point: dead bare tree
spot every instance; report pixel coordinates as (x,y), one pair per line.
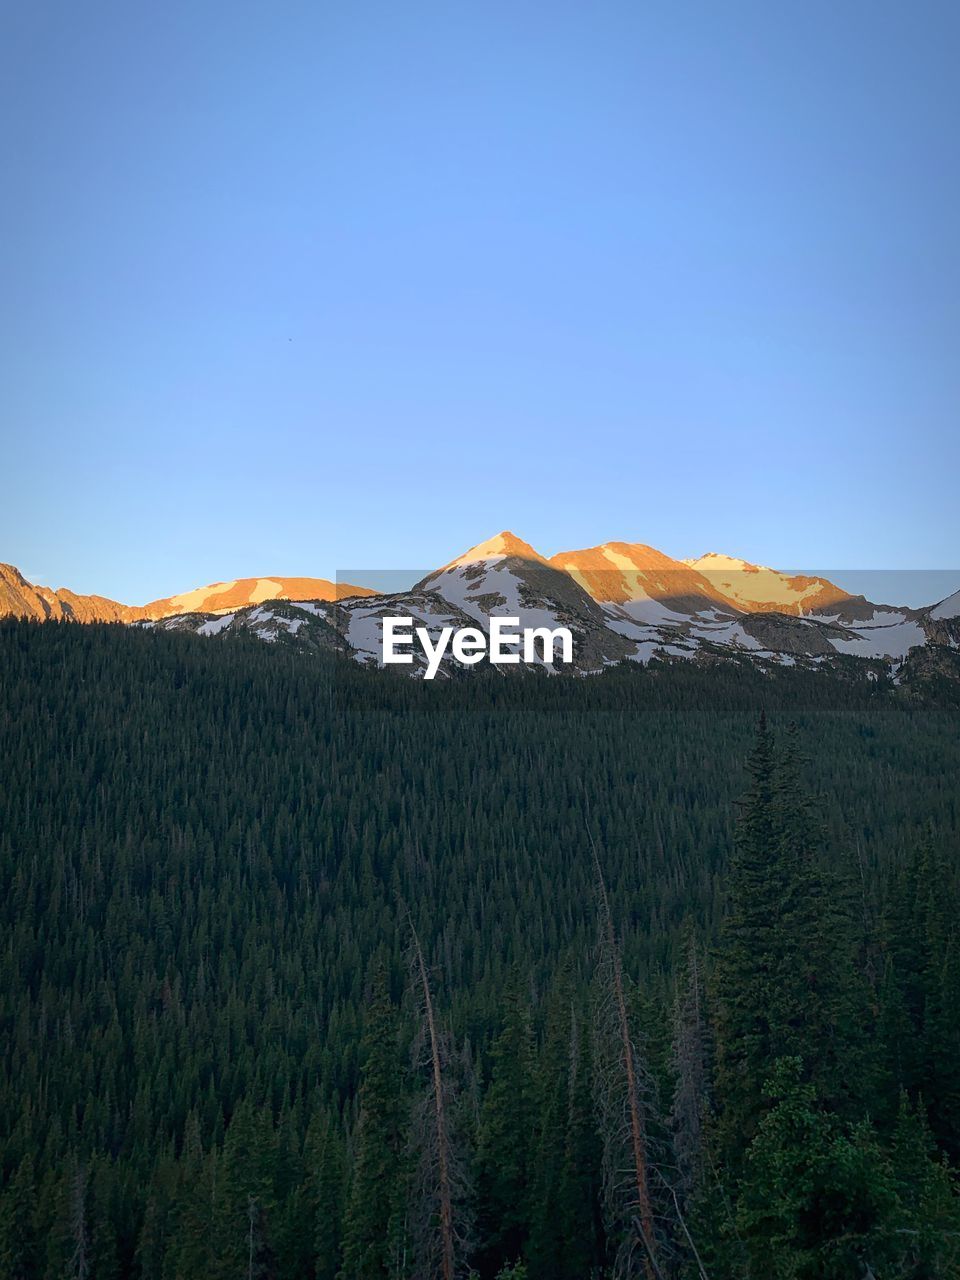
(625,1096)
(438,1207)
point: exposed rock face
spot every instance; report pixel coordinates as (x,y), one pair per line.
(781,633)
(22,599)
(941,621)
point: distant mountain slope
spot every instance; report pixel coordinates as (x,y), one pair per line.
(220,597)
(649,586)
(23,599)
(759,589)
(949,608)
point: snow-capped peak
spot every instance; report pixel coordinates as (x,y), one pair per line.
(496,548)
(715,560)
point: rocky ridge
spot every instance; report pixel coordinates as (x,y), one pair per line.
(623,602)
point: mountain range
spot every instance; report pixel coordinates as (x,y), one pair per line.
(23,599)
(624,602)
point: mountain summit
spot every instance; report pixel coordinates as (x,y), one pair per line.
(495,548)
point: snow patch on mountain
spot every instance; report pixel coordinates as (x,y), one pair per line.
(890,641)
(213,626)
(311,606)
(949,608)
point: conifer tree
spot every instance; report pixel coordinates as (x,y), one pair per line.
(819,1199)
(156,1240)
(787,983)
(548,1167)
(104,1256)
(579,1196)
(937,922)
(190,1236)
(373,1227)
(928,1227)
(19,1246)
(823,1007)
(326,1170)
(505,1142)
(244,1202)
(76,1222)
(749,959)
(905,980)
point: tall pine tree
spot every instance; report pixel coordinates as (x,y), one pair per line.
(373,1222)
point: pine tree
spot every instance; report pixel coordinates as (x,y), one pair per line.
(928,1229)
(506,1137)
(19,1246)
(326,1171)
(938,924)
(905,979)
(823,998)
(156,1240)
(104,1256)
(75,1223)
(548,1167)
(372,1230)
(244,1203)
(819,1201)
(787,983)
(750,956)
(582,1175)
(295,1220)
(190,1243)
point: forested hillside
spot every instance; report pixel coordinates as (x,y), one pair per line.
(311,972)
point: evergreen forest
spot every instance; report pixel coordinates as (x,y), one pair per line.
(309,972)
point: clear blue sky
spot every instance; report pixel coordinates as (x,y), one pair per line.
(287,288)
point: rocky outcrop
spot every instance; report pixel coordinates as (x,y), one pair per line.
(22,599)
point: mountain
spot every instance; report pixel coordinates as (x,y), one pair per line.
(23,599)
(947,609)
(645,584)
(758,589)
(941,622)
(221,597)
(623,602)
(505,576)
